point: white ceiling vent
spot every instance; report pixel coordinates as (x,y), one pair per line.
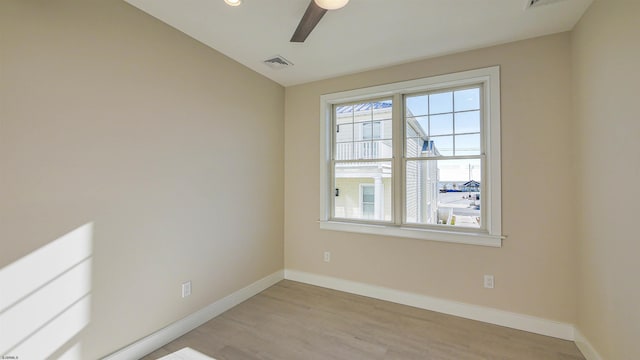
(277,62)
(535,3)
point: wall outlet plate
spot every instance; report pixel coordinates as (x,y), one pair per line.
(489,281)
(186,289)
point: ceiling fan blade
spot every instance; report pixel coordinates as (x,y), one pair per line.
(309,20)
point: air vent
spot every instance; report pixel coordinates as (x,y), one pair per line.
(535,3)
(278,62)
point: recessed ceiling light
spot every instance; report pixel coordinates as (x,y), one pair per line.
(233,2)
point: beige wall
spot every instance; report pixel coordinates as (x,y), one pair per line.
(110,117)
(606,56)
(535,269)
(173,151)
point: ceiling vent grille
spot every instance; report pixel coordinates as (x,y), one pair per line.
(278,62)
(535,3)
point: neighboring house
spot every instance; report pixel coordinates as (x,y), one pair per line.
(363,188)
(471,186)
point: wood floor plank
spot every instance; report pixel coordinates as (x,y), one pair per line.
(292,320)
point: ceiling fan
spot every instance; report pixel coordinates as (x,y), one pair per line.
(315,11)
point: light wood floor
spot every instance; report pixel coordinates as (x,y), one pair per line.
(291,320)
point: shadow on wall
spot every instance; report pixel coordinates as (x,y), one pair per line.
(45,298)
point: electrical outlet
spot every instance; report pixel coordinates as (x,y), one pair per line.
(488,281)
(327,256)
(186,289)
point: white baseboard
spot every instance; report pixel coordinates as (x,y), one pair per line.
(489,315)
(485,314)
(585,347)
(165,335)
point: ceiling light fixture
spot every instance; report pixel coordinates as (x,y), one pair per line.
(233,2)
(331,4)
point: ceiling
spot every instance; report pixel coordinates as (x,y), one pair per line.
(364,35)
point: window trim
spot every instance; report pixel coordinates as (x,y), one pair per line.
(489,78)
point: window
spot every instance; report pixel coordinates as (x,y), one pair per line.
(371,130)
(367,200)
(418,159)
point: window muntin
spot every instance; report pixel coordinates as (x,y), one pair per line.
(475,134)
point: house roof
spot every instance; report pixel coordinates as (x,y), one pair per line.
(363,107)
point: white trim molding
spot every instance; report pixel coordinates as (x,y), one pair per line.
(585,347)
(460,237)
(165,335)
(474,312)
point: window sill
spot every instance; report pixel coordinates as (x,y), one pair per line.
(471,238)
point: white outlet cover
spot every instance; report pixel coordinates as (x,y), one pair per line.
(186,289)
(489,281)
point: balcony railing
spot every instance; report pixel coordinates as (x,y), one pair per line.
(363,150)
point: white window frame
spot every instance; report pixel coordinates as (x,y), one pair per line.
(491,235)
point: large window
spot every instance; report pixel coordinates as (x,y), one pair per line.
(415,159)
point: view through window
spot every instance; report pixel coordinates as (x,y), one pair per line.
(363,151)
(443,158)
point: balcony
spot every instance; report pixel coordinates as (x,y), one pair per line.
(363,150)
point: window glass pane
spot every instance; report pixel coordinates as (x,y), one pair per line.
(440,103)
(368,210)
(363,190)
(467,145)
(382,109)
(412,131)
(381,149)
(367,131)
(417,105)
(443,192)
(363,112)
(344,114)
(444,145)
(356,132)
(370,150)
(467,122)
(441,124)
(467,99)
(344,151)
(344,133)
(417,126)
(362,150)
(386,129)
(414,146)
